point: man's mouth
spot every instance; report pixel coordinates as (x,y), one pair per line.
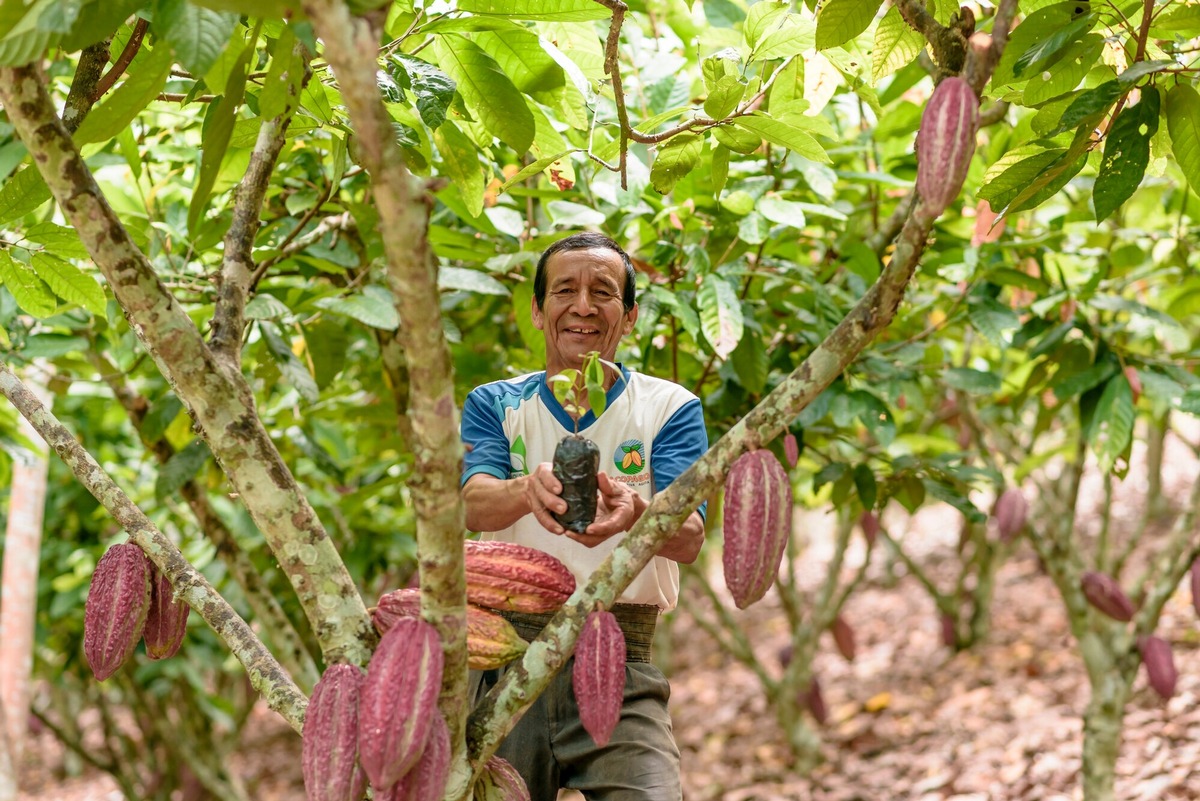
(580,330)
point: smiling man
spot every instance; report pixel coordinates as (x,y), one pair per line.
(650,431)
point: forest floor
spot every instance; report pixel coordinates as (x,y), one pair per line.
(908,718)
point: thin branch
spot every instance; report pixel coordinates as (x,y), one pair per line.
(83,86)
(118,68)
(612,69)
(295,244)
(265,673)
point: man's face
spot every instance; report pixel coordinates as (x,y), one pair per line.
(583,311)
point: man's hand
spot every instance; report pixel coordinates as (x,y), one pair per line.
(616,511)
(542,493)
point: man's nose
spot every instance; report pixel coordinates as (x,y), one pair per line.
(583,304)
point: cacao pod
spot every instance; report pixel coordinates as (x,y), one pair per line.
(811,699)
(791,449)
(946,142)
(399,701)
(758,521)
(427,780)
(576,462)
(1010,513)
(491,640)
(843,637)
(870,527)
(949,630)
(598,676)
(166,622)
(1103,592)
(1160,665)
(1196,586)
(114,614)
(515,578)
(329,747)
(500,781)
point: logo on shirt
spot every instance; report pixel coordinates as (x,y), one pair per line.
(516,458)
(630,457)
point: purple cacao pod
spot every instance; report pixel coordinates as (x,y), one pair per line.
(791,449)
(870,527)
(166,622)
(1196,586)
(329,747)
(758,521)
(114,614)
(946,142)
(1160,665)
(843,637)
(500,781)
(1010,512)
(427,780)
(598,676)
(399,701)
(811,699)
(1103,592)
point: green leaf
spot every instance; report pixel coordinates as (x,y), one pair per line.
(751,363)
(1112,428)
(723,99)
(523,59)
(534,168)
(98,20)
(828,474)
(1126,154)
(470,281)
(1075,384)
(26,39)
(839,21)
(784,134)
(27,289)
(197,34)
(371,310)
(864,482)
(60,241)
(874,415)
(160,416)
(1190,401)
(460,160)
(548,10)
(994,320)
(266,307)
(594,380)
(723,13)
(180,469)
(720,314)
(975,382)
(784,212)
(1041,52)
(796,35)
(1183,125)
(434,89)
(676,157)
(281,89)
(1065,74)
(146,78)
(487,91)
(1089,106)
(532,338)
(896,45)
(762,17)
(70,283)
(736,139)
(1009,176)
(294,371)
(21,194)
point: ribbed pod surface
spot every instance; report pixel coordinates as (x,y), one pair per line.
(757,521)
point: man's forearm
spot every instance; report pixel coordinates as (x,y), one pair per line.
(493,504)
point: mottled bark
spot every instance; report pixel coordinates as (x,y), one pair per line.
(83,87)
(219,400)
(190,585)
(351,48)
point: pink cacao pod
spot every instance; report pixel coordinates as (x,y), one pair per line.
(791,449)
(1010,513)
(491,640)
(843,637)
(515,578)
(114,615)
(1103,592)
(811,699)
(166,622)
(949,630)
(870,527)
(1196,586)
(946,142)
(1160,665)
(329,743)
(598,676)
(758,521)
(500,781)
(427,780)
(399,701)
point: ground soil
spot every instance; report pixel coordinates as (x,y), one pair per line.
(908,718)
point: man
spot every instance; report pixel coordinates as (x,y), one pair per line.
(650,431)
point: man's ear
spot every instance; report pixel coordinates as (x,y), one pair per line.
(630,319)
(536,313)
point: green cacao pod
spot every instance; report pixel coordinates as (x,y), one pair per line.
(114,614)
(515,578)
(946,142)
(166,622)
(399,701)
(427,780)
(598,676)
(500,781)
(1160,665)
(576,463)
(758,521)
(329,743)
(491,640)
(1103,592)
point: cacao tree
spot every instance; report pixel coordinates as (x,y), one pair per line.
(316,219)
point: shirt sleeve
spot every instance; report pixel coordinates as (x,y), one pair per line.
(483,434)
(677,445)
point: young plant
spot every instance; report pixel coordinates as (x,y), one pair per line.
(576,458)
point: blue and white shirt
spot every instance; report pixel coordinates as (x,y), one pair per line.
(649,433)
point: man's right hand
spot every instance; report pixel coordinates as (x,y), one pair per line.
(543,494)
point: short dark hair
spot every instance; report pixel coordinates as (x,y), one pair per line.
(587,240)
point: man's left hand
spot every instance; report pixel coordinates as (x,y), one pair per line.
(615,512)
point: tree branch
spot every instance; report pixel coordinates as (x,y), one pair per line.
(219,400)
(190,585)
(83,87)
(119,66)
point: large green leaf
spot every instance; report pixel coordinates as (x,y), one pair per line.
(1089,106)
(1041,53)
(369,309)
(1126,154)
(33,296)
(976,382)
(795,35)
(720,314)
(762,18)
(896,45)
(469,281)
(724,97)
(1112,426)
(523,59)
(60,241)
(70,283)
(1183,125)
(784,134)
(21,194)
(146,78)
(281,88)
(549,10)
(751,362)
(294,371)
(181,468)
(460,159)
(676,157)
(1065,74)
(27,38)
(487,91)
(839,21)
(197,34)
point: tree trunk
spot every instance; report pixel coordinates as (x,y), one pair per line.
(18,585)
(8,769)
(1102,737)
